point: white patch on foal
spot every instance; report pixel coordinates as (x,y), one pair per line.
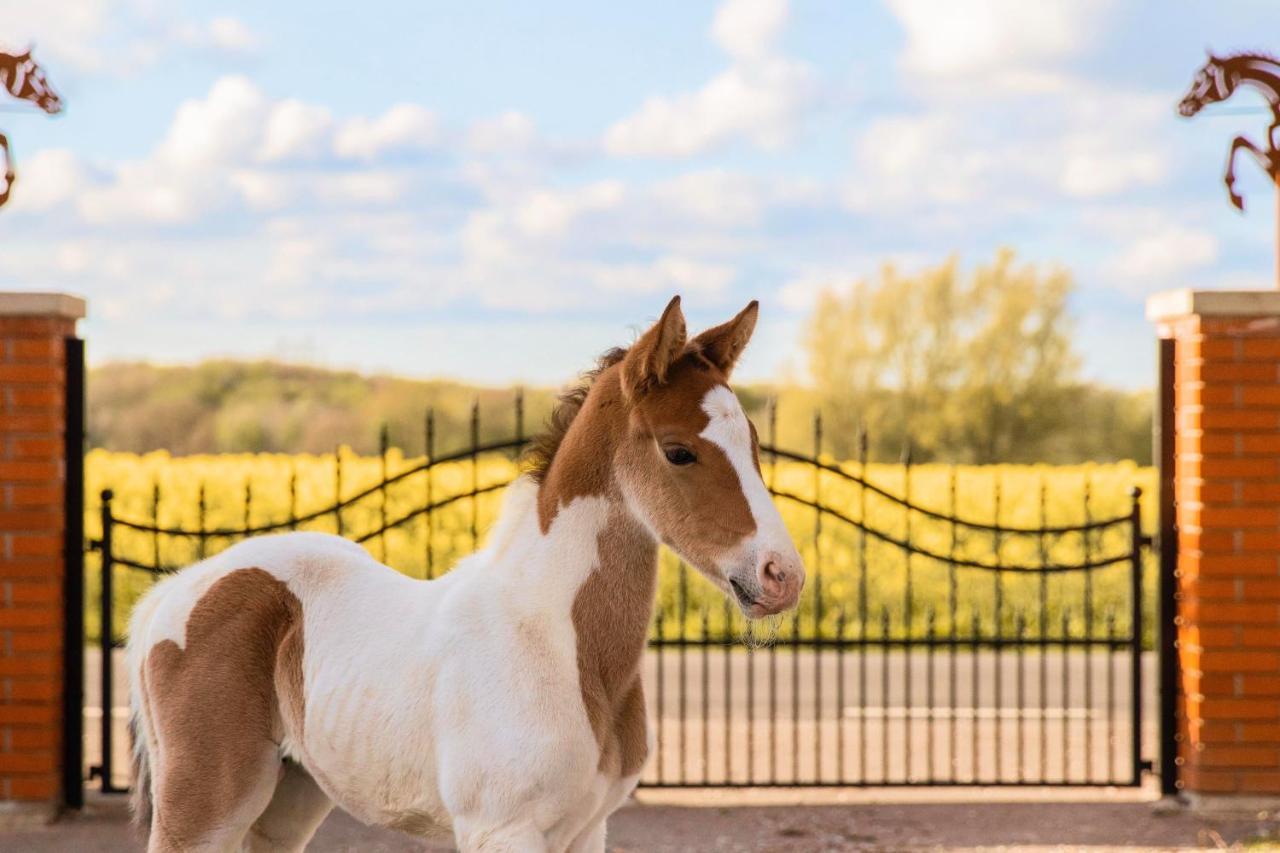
(729,430)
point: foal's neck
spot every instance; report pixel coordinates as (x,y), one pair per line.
(613,604)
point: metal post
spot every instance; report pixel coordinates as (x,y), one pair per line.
(384,448)
(429,444)
(475,472)
(1135,591)
(1167,543)
(73,582)
(519,423)
(337,488)
(105,642)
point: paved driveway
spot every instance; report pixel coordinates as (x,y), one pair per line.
(836,821)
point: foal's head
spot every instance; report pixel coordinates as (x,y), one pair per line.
(687,462)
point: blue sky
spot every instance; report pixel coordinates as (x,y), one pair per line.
(497,191)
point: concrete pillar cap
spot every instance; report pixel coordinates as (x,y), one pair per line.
(1173,304)
(34,304)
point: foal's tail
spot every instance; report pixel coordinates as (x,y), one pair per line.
(140,795)
(139,728)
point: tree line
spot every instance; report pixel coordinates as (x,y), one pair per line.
(976,367)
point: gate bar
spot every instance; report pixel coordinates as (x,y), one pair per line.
(73,580)
(1167,587)
(107,645)
(1135,666)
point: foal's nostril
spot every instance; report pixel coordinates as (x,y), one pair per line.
(773,573)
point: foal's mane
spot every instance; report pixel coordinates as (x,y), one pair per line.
(543,447)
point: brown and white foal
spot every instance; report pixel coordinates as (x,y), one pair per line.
(499,706)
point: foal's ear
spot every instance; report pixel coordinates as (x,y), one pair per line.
(721,345)
(650,357)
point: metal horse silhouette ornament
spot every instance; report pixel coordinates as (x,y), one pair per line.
(23,79)
(1218,80)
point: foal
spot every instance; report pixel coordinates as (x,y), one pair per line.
(499,706)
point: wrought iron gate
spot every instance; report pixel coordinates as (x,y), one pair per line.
(933,645)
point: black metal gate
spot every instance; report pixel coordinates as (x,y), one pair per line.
(934,645)
(73,579)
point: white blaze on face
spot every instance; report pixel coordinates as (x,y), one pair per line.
(729,430)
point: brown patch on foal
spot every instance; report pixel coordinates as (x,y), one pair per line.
(611,430)
(216,706)
(612,609)
(611,618)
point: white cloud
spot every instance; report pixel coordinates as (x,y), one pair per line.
(979,70)
(232,35)
(1110,142)
(716,196)
(801,293)
(68,32)
(510,132)
(147,192)
(224,35)
(296,130)
(243,209)
(904,161)
(994,39)
(49,178)
(360,188)
(727,199)
(236,146)
(403,127)
(749,28)
(761,96)
(117,36)
(263,190)
(586,245)
(667,274)
(760,101)
(225,126)
(1163,255)
(950,154)
(533,225)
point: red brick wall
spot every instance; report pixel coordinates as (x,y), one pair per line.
(31,563)
(1227,396)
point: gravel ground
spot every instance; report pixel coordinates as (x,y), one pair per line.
(692,823)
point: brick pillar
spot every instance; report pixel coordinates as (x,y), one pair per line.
(1227,488)
(33,327)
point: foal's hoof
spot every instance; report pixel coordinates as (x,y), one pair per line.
(1236,200)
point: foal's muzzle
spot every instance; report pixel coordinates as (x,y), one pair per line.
(772,586)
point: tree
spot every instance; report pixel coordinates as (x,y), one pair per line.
(973,369)
(1019,365)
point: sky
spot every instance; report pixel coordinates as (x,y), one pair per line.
(497,191)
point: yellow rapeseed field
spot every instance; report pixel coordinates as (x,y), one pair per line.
(902,595)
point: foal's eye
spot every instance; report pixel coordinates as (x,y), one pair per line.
(680,456)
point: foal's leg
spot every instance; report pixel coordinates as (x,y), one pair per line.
(297,809)
(207,803)
(514,838)
(591,840)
